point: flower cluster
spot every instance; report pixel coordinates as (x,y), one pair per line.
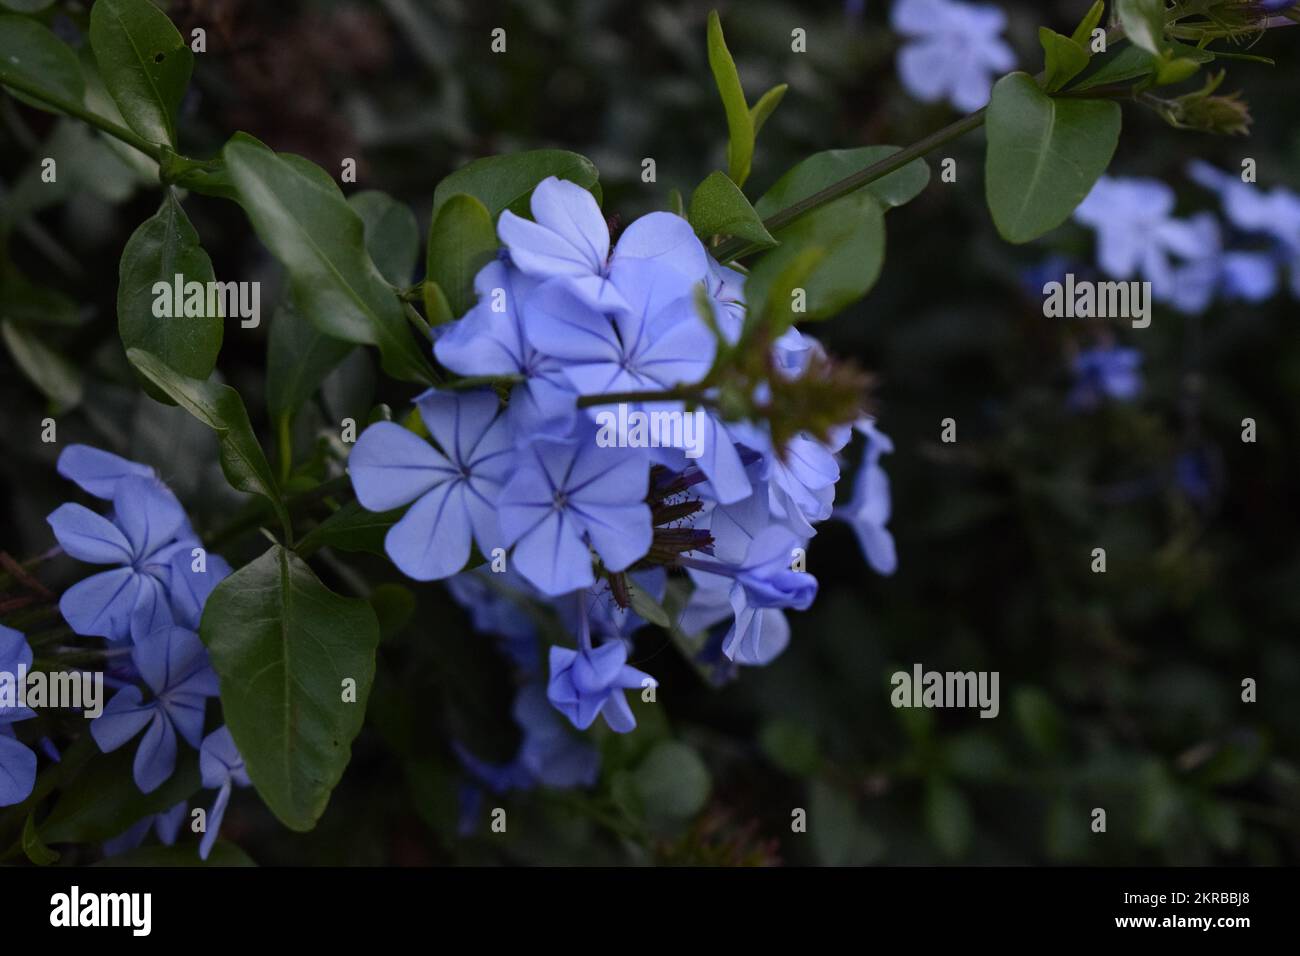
(953,51)
(573,507)
(148,608)
(1192,261)
(162,574)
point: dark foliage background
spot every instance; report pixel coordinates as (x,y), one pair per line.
(1119,691)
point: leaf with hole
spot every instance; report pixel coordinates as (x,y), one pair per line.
(145,63)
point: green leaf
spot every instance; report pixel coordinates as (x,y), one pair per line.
(1044,155)
(351,528)
(506,182)
(1132,62)
(740,123)
(462,240)
(300,214)
(392,236)
(766,105)
(830,166)
(145,64)
(31,57)
(163,247)
(34,849)
(283,645)
(54,375)
(848,234)
(1143,22)
(1082,34)
(1065,59)
(206,176)
(791,745)
(947,817)
(224,853)
(437,309)
(850,231)
(1039,720)
(26,303)
(672,782)
(719,208)
(299,357)
(103,800)
(220,408)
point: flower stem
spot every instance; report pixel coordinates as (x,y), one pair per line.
(736,248)
(134,140)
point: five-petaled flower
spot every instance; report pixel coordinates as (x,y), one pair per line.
(585,683)
(174,665)
(455,490)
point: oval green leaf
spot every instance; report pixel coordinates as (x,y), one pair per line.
(300,214)
(719,208)
(1044,155)
(145,63)
(462,240)
(34,60)
(164,247)
(284,647)
(506,182)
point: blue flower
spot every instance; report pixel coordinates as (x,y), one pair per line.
(17,761)
(490,341)
(221,767)
(174,664)
(161,580)
(98,472)
(654,342)
(566,497)
(550,754)
(1138,236)
(1273,215)
(1105,372)
(868,511)
(751,563)
(954,50)
(1194,475)
(657,340)
(455,490)
(588,682)
(166,824)
(569,239)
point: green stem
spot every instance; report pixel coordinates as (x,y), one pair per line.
(134,140)
(294,503)
(736,248)
(733,248)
